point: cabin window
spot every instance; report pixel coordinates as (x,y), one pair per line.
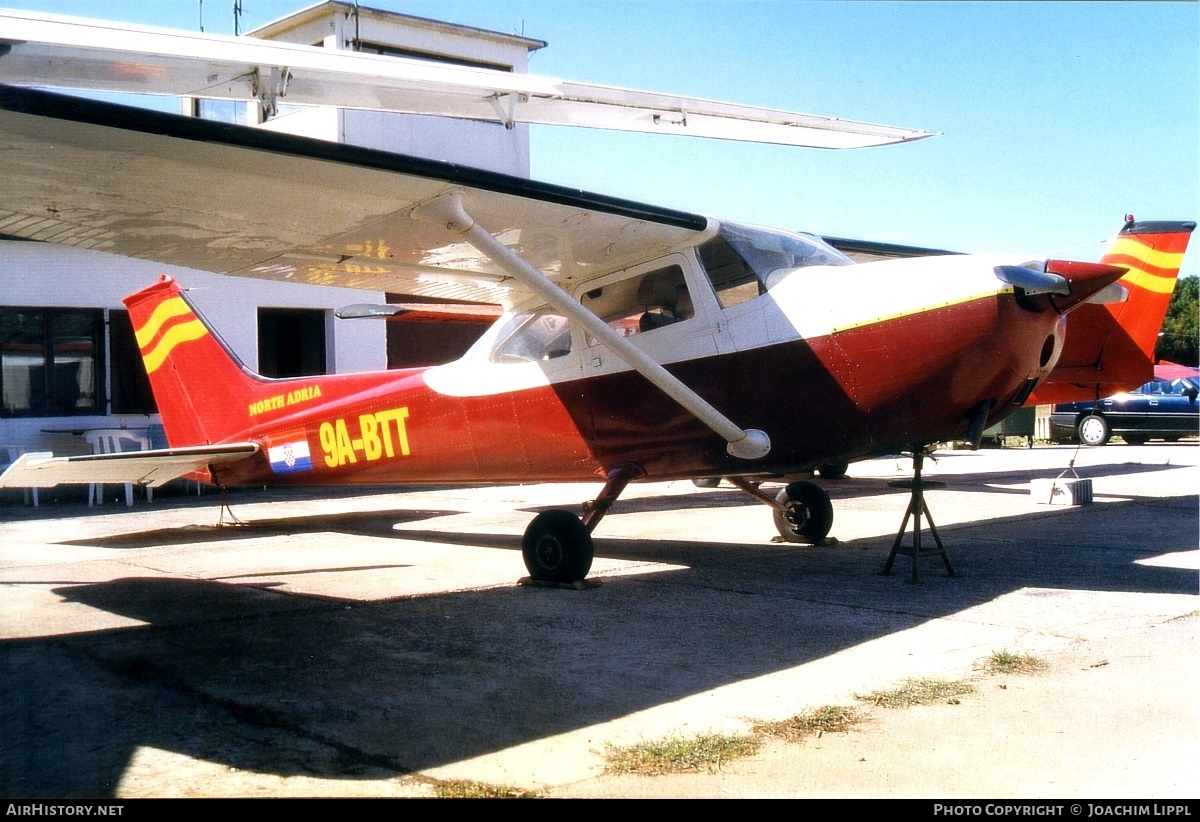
(291,342)
(51,361)
(744,261)
(643,303)
(533,336)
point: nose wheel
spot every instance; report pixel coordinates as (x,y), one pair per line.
(804,513)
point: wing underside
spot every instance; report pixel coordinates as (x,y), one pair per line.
(249,202)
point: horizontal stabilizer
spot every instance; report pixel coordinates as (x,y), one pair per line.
(153,468)
(49,51)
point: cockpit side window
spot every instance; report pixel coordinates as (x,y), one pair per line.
(744,261)
(733,281)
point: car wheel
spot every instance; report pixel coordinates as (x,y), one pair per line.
(1093,430)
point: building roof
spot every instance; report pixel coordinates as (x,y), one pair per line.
(318,10)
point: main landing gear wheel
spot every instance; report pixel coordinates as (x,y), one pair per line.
(809,513)
(1093,430)
(833,470)
(557,547)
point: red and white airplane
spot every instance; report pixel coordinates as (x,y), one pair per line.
(637,343)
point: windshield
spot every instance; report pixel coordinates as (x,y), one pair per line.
(744,261)
(766,250)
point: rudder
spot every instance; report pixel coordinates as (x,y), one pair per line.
(201,388)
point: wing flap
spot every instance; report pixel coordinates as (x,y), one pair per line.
(64,52)
(153,468)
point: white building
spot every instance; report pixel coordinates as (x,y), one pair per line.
(67,358)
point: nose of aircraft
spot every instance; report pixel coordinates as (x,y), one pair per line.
(1084,279)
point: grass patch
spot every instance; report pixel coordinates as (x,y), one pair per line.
(1007,662)
(676,754)
(823,720)
(470,789)
(919,692)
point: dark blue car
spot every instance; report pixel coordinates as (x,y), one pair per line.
(1161,409)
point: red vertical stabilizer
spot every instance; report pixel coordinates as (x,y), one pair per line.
(201,388)
(1110,348)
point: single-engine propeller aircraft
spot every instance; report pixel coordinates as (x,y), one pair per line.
(637,343)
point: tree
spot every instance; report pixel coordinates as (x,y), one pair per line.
(1178,341)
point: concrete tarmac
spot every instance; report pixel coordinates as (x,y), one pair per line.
(376,644)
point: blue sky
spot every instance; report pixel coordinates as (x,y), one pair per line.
(1056,119)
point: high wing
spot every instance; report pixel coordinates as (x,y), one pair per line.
(63,52)
(250,202)
(153,468)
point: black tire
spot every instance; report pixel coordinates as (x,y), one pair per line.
(1092,430)
(1135,439)
(833,470)
(707,482)
(557,547)
(809,513)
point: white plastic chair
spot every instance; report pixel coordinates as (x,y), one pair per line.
(115,441)
(10,454)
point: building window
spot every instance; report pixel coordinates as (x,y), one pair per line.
(366,47)
(234,112)
(291,342)
(130,387)
(51,361)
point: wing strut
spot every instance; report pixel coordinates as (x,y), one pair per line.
(448,210)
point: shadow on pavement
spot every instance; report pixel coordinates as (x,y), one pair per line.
(242,675)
